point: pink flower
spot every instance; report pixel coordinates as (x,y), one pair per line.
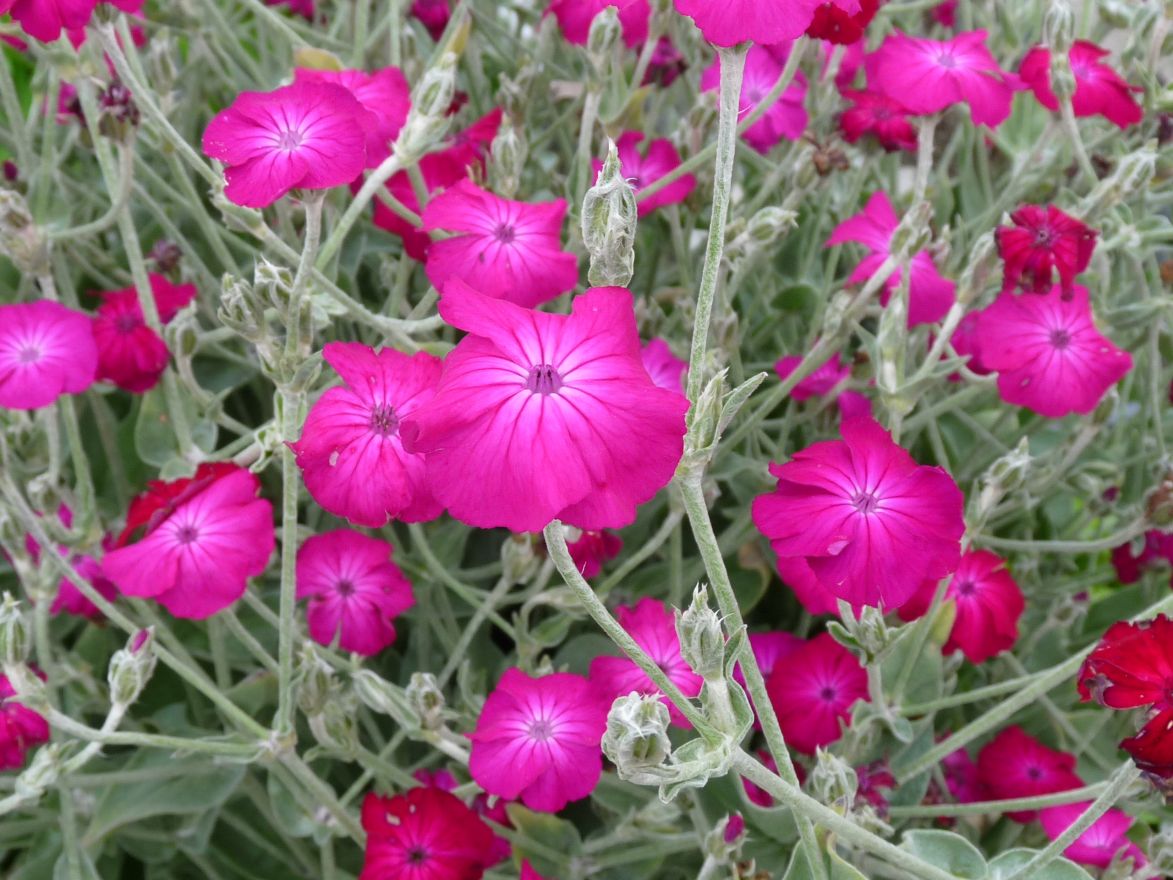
(640,170)
(441,779)
(989,605)
(46,19)
(575,18)
(945,13)
(528,872)
(20,728)
(835,24)
(1048,354)
(870,522)
(304,8)
(1040,241)
(666,65)
(131,354)
(833,373)
(1157,548)
(308,135)
(967,342)
(351,452)
(786,118)
(962,778)
(653,628)
(927,76)
(760,796)
(537,740)
(1097,846)
(930,295)
(813,689)
(385,98)
(508,250)
(729,22)
(197,559)
(434,15)
(880,116)
(543,416)
(1016,765)
(593,549)
(1099,90)
(768,648)
(70,600)
(811,594)
(423,834)
(46,350)
(355,591)
(665,369)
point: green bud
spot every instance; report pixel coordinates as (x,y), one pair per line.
(379,695)
(833,782)
(1059,27)
(131,668)
(427,700)
(14,633)
(1062,79)
(316,684)
(609,218)
(21,239)
(519,561)
(1005,475)
(636,740)
(334,727)
(507,158)
(240,310)
(723,843)
(1159,504)
(983,258)
(913,233)
(41,773)
(605,34)
(702,641)
(429,121)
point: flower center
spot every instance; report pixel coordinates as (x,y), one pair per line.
(541,730)
(945,59)
(827,693)
(187,534)
(1034,773)
(289,140)
(1060,338)
(966,588)
(384,420)
(127,322)
(29,354)
(505,233)
(417,855)
(865,502)
(543,379)
(345,588)
(1045,236)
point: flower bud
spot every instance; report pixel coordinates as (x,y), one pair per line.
(20,238)
(14,633)
(723,842)
(1005,475)
(983,258)
(1059,27)
(334,727)
(427,700)
(28,686)
(379,695)
(41,773)
(508,155)
(702,642)
(636,740)
(702,419)
(519,561)
(1159,504)
(764,228)
(833,781)
(605,34)
(609,218)
(119,115)
(1062,79)
(428,121)
(239,309)
(131,668)
(913,233)
(316,683)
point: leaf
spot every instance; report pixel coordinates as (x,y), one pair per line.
(841,870)
(83,869)
(948,851)
(292,817)
(540,834)
(203,785)
(927,673)
(1013,860)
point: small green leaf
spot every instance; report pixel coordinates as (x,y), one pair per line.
(948,851)
(1014,860)
(841,870)
(539,835)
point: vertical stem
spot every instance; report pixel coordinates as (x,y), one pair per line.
(732,73)
(1071,126)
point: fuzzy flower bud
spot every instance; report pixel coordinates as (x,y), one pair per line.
(913,234)
(239,309)
(605,33)
(41,773)
(1159,504)
(609,218)
(14,633)
(983,258)
(702,643)
(119,115)
(316,681)
(833,781)
(379,695)
(20,238)
(131,668)
(1059,27)
(519,562)
(508,155)
(1005,475)
(334,727)
(762,231)
(636,740)
(723,842)
(427,700)
(428,121)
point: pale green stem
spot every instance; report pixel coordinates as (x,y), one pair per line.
(1009,805)
(487,607)
(374,182)
(1137,527)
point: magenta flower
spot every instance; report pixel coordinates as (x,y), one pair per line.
(1156,548)
(653,628)
(870,522)
(21,728)
(131,354)
(729,22)
(351,452)
(1016,765)
(543,416)
(930,295)
(200,552)
(508,250)
(880,116)
(46,19)
(945,13)
(537,740)
(1102,842)
(1043,240)
(667,64)
(641,170)
(811,594)
(1099,90)
(575,18)
(423,834)
(768,648)
(835,24)
(786,118)
(308,135)
(664,368)
(528,872)
(927,76)
(355,591)
(384,95)
(1048,354)
(592,549)
(962,778)
(832,374)
(967,342)
(304,8)
(46,350)
(434,15)
(69,599)
(813,689)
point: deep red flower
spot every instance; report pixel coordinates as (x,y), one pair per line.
(20,728)
(880,116)
(1157,547)
(1016,765)
(813,690)
(131,354)
(836,25)
(591,550)
(875,782)
(1041,241)
(424,834)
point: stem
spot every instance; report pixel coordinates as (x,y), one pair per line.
(371,185)
(1071,126)
(1137,527)
(1008,805)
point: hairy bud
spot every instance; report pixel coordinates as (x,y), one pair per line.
(20,238)
(723,843)
(833,781)
(131,668)
(334,727)
(702,642)
(427,700)
(379,695)
(609,218)
(508,155)
(316,683)
(519,561)
(636,740)
(605,34)
(1059,27)
(429,120)
(14,633)
(41,773)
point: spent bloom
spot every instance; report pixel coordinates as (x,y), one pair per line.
(729,22)
(928,76)
(575,17)
(786,118)
(308,135)
(813,689)
(131,354)
(423,834)
(20,728)
(1107,836)
(592,549)
(644,167)
(505,249)
(1016,765)
(198,554)
(1048,354)
(542,416)
(384,95)
(1099,90)
(930,295)
(1043,240)
(664,368)
(871,524)
(653,628)
(351,451)
(880,116)
(46,350)
(355,591)
(537,740)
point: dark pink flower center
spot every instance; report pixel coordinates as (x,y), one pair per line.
(29,354)
(1060,338)
(384,421)
(543,379)
(865,502)
(187,534)
(1034,773)
(1045,236)
(127,322)
(828,693)
(417,855)
(966,588)
(345,588)
(505,233)
(946,59)
(540,729)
